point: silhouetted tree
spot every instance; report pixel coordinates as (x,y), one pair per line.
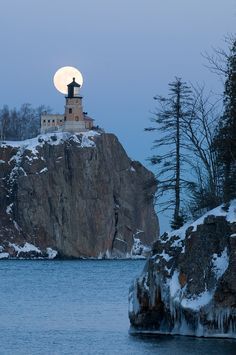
(225,140)
(4,121)
(169,118)
(200,130)
(22,123)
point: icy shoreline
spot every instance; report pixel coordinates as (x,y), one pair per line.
(134,332)
(29,251)
(188,284)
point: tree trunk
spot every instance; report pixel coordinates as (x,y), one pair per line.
(177,181)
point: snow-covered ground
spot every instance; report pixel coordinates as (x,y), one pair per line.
(85,139)
(230,215)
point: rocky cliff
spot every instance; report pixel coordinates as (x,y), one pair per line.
(74,196)
(188,285)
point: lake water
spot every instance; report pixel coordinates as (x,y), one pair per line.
(79,307)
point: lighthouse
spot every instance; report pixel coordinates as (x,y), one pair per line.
(73,107)
(74,119)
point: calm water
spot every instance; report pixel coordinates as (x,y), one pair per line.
(79,307)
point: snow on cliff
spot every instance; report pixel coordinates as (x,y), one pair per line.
(220,211)
(85,139)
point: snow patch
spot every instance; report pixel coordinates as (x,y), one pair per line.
(9,208)
(87,139)
(27,247)
(220,263)
(138,248)
(44,170)
(4,255)
(179,298)
(17,158)
(219,211)
(174,286)
(197,302)
(230,216)
(165,256)
(52,139)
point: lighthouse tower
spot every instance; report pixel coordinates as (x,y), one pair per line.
(74,119)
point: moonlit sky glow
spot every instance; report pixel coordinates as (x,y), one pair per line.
(127,51)
(64,76)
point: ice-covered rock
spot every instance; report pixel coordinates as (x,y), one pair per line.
(138,248)
(4,255)
(188,285)
(51,254)
(26,251)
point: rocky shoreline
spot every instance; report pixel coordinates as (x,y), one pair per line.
(188,286)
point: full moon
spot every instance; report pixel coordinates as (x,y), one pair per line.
(64,76)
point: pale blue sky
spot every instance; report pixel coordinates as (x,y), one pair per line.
(127,50)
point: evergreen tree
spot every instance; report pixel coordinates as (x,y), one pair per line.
(225,141)
(169,117)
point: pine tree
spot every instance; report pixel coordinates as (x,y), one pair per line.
(170,117)
(225,141)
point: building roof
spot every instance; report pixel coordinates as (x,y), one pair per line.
(74,84)
(87,118)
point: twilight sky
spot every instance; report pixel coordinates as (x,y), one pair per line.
(127,51)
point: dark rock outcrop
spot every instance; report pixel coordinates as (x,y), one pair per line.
(188,285)
(78,194)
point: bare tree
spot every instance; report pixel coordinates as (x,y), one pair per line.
(4,120)
(200,130)
(218,59)
(22,123)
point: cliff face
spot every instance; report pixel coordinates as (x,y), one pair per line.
(188,286)
(79,195)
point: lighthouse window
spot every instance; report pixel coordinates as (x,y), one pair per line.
(53,120)
(44,121)
(76,91)
(70,110)
(48,121)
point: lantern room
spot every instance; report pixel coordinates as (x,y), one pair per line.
(73,89)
